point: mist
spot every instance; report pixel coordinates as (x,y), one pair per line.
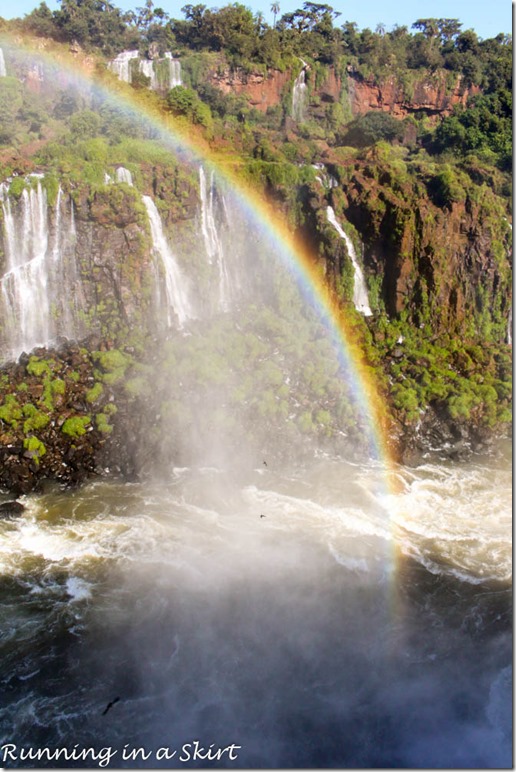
(293,636)
(262,641)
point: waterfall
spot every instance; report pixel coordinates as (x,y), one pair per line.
(24,284)
(325,178)
(121,65)
(3,71)
(57,233)
(175,71)
(299,95)
(212,242)
(40,290)
(146,67)
(360,297)
(124,175)
(176,296)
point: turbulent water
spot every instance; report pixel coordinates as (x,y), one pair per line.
(302,618)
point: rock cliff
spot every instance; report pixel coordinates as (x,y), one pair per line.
(435,94)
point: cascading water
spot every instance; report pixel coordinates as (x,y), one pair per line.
(3,71)
(212,242)
(324,178)
(121,65)
(176,296)
(124,175)
(360,297)
(25,296)
(251,602)
(175,71)
(40,291)
(170,78)
(299,95)
(146,67)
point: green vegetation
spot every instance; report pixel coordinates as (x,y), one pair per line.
(35,447)
(408,185)
(103,425)
(113,365)
(95,393)
(38,367)
(76,426)
(34,419)
(10,411)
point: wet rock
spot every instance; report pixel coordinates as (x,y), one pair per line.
(11,508)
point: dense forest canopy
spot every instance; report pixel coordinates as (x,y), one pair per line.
(315,30)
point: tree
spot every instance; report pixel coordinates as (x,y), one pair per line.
(85,124)
(40,21)
(275,8)
(93,23)
(371,128)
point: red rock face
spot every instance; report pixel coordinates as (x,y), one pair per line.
(262,91)
(429,94)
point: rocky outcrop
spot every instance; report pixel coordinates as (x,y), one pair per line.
(432,94)
(444,261)
(262,90)
(435,94)
(59,413)
(114,261)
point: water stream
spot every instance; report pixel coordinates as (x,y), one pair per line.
(299,93)
(308,616)
(360,296)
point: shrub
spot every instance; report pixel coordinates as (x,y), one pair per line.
(76,426)
(370,128)
(34,446)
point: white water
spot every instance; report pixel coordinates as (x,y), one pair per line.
(3,71)
(175,71)
(146,67)
(124,175)
(360,296)
(273,611)
(175,287)
(40,291)
(324,178)
(121,65)
(24,284)
(56,249)
(212,242)
(299,95)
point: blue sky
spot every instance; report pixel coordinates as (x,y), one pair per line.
(487,18)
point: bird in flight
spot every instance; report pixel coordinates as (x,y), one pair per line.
(110,705)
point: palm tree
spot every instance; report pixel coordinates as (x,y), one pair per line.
(275,8)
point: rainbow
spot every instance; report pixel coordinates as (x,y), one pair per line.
(181,139)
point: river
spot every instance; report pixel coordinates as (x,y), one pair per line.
(308,617)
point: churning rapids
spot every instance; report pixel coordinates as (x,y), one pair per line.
(309,618)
